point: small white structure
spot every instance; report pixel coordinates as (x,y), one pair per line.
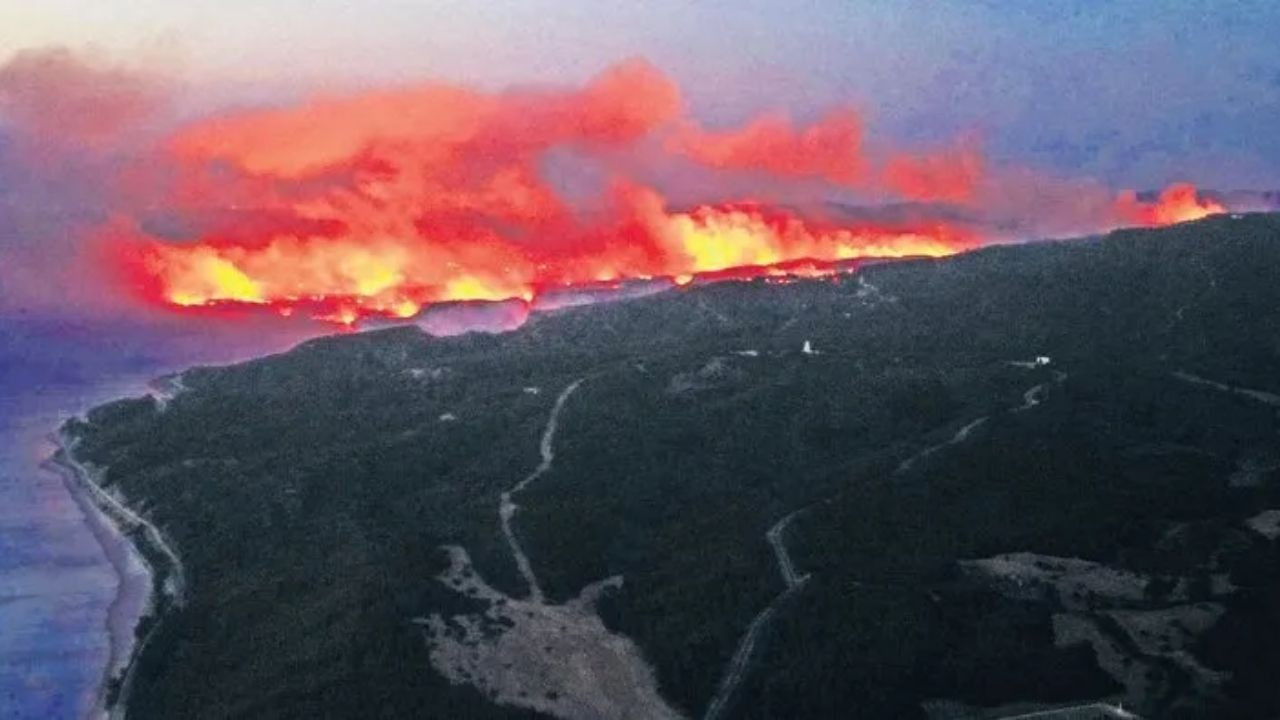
(448,417)
(1042,360)
(808,348)
(532,390)
(747,353)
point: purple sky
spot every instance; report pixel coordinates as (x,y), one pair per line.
(1132,92)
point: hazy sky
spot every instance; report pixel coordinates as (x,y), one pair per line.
(1133,92)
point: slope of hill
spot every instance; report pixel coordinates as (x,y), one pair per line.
(971,531)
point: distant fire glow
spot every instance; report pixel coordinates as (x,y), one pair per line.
(1177,203)
(384,203)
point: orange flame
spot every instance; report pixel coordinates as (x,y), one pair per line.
(346,278)
(384,203)
(1177,203)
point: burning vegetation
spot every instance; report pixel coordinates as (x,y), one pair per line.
(385,202)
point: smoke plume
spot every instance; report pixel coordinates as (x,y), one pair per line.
(386,202)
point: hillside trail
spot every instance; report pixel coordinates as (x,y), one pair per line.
(741,660)
(793,581)
(507,507)
(1030,399)
(558,659)
(1262,396)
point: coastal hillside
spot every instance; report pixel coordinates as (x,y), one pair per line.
(1017,479)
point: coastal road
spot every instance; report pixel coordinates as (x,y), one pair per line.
(175,585)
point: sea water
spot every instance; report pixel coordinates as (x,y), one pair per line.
(56,584)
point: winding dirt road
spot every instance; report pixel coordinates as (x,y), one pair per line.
(1261,396)
(507,507)
(1035,395)
(741,660)
(1031,398)
(558,659)
(961,435)
(778,543)
(776,537)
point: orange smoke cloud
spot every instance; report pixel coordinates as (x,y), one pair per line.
(434,124)
(949,175)
(385,203)
(830,149)
(1177,203)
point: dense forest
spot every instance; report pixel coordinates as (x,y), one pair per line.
(901,409)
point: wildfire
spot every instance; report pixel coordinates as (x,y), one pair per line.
(1176,204)
(947,175)
(385,203)
(715,239)
(346,278)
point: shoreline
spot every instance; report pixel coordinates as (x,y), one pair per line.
(132,545)
(132,589)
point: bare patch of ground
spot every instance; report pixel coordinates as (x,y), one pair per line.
(718,372)
(1141,678)
(1170,632)
(1144,640)
(556,659)
(1253,468)
(1266,524)
(1077,584)
(428,374)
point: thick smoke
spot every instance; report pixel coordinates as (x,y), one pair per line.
(381,203)
(389,201)
(53,100)
(77,135)
(949,175)
(832,149)
(829,149)
(67,123)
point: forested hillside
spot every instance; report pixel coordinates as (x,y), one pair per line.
(1022,477)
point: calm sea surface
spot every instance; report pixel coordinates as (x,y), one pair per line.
(56,583)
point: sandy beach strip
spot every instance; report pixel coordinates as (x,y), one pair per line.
(112,524)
